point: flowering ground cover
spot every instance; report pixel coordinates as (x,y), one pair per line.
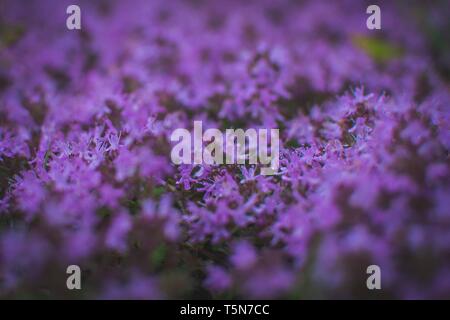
(85,171)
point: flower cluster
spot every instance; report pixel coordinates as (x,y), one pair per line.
(85,172)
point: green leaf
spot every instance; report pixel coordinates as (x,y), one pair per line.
(158,191)
(158,256)
(10,34)
(378,49)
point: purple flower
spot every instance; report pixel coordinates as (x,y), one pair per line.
(244,255)
(86,176)
(218,279)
